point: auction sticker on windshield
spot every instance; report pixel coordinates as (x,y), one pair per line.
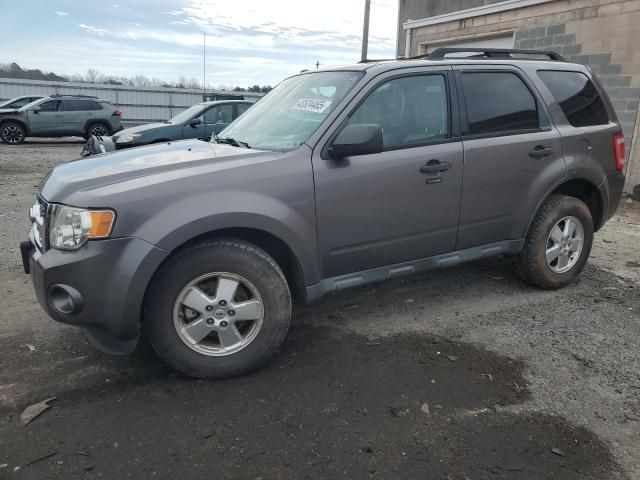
(311,105)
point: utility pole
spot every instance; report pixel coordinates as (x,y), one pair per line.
(365,29)
(204,66)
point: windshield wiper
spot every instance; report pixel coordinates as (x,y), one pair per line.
(230,141)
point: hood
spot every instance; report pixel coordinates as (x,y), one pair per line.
(78,181)
(8,111)
(143,128)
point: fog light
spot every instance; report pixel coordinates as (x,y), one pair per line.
(65,299)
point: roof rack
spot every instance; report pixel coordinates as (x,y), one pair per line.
(58,95)
(374,60)
(491,53)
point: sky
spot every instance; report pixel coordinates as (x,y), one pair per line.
(248,41)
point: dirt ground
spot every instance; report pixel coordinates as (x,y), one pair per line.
(464,373)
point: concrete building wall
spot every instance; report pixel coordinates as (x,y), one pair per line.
(603,34)
(417,9)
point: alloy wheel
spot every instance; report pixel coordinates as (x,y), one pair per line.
(12,134)
(218,314)
(564,244)
(99,131)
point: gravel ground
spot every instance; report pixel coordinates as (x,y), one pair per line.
(460,373)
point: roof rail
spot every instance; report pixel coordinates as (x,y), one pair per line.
(58,95)
(491,53)
(375,60)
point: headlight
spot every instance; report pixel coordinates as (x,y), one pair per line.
(71,227)
(128,137)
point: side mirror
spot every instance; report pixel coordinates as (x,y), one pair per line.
(36,109)
(362,139)
(195,122)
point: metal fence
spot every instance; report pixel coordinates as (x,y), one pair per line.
(138,104)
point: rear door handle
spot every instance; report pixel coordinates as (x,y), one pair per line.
(435,166)
(540,151)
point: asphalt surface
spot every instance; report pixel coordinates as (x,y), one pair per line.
(463,373)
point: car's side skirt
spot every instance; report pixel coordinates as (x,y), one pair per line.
(380,274)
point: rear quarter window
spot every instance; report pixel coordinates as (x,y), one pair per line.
(577,96)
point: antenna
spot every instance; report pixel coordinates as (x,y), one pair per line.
(204,66)
(204,82)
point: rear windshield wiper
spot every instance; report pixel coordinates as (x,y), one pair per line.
(230,141)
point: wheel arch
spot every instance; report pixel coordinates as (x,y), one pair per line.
(18,121)
(96,121)
(582,189)
(273,245)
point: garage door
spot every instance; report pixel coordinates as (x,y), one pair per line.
(504,41)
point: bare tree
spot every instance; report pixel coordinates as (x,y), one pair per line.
(92,75)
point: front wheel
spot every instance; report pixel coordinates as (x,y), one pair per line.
(558,244)
(218,309)
(12,133)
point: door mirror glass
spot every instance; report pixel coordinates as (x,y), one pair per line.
(359,139)
(195,122)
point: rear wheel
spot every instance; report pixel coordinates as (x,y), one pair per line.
(12,133)
(98,129)
(218,309)
(558,244)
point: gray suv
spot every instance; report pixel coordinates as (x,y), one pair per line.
(60,116)
(336,179)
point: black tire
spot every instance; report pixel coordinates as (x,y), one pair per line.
(531,263)
(235,257)
(97,129)
(12,133)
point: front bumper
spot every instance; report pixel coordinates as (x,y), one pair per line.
(107,280)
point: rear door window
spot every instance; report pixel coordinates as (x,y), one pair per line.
(577,96)
(499,103)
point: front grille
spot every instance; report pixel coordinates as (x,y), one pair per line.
(39,215)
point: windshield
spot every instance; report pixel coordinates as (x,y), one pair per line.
(286,117)
(185,116)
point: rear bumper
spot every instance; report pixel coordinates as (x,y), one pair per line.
(611,189)
(117,128)
(99,287)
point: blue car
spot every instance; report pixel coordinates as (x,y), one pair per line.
(199,121)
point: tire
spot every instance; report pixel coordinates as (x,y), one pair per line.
(537,263)
(169,322)
(12,133)
(97,129)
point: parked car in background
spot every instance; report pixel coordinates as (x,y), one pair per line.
(19,102)
(60,116)
(199,121)
(336,179)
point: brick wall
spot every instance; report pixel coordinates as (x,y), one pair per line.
(603,34)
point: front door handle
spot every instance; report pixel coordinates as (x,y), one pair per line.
(435,166)
(540,151)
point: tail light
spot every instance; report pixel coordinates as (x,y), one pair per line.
(117,113)
(618,150)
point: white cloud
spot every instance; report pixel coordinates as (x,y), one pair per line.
(61,14)
(96,30)
(341,17)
